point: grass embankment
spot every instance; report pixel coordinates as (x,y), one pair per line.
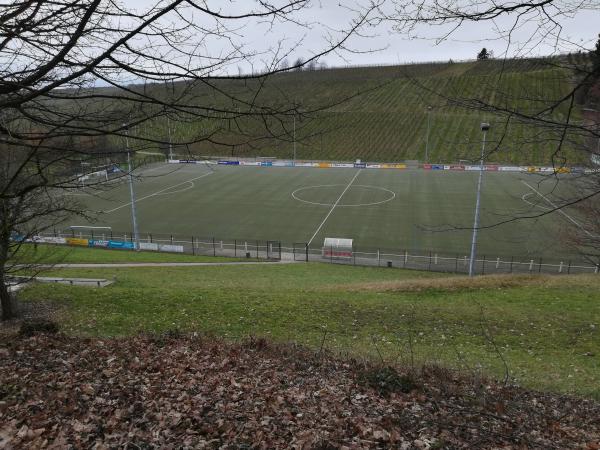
(546,329)
(57,254)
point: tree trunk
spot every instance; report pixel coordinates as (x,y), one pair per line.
(8,310)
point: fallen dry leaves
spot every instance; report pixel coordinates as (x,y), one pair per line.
(192,392)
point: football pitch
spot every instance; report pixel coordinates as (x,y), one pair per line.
(389,209)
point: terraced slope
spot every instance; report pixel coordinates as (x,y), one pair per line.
(386,118)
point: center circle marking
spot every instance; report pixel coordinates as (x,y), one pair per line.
(391,195)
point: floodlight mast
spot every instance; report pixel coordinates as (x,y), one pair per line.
(170,141)
(136,234)
(484,127)
(429,108)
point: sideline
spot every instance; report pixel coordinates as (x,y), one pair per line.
(558,209)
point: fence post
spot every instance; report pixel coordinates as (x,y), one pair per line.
(92,234)
(279,250)
(511,263)
(306,246)
(405,257)
(111,234)
(456,264)
(429,268)
(54,232)
(435,259)
(256,249)
(72,232)
(560,267)
(214,249)
(540,267)
(171,239)
(530,265)
(597,267)
(483,266)
(498,263)
(569,268)
(378,258)
(331,254)
(193,250)
(235,247)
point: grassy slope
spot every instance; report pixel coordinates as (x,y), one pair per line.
(388,121)
(547,329)
(53,254)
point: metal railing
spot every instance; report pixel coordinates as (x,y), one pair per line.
(301,252)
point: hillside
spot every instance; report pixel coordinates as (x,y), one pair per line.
(380,113)
(544,328)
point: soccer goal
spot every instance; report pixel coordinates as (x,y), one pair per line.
(95,174)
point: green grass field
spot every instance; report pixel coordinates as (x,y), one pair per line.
(389,209)
(546,329)
(53,254)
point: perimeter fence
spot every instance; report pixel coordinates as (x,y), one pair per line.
(275,250)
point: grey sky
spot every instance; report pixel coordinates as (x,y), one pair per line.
(579,30)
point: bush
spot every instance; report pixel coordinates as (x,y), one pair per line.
(38,326)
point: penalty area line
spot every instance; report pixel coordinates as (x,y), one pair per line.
(333,207)
(557,208)
(157,193)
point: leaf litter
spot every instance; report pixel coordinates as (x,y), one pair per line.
(175,391)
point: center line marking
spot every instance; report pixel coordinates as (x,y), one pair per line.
(558,209)
(157,192)
(334,205)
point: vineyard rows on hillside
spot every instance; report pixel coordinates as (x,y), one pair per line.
(381,114)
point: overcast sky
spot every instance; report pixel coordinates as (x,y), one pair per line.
(579,29)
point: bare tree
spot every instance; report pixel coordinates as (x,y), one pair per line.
(72,73)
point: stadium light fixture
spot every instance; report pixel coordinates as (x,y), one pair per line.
(429,108)
(484,128)
(136,234)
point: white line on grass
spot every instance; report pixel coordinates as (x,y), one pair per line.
(577,224)
(157,193)
(162,166)
(334,205)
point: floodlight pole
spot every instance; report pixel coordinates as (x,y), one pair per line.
(427,138)
(294,138)
(170,141)
(136,234)
(484,127)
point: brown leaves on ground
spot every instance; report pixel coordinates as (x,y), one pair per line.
(174,392)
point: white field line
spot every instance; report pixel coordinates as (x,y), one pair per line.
(577,224)
(162,166)
(333,207)
(157,193)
